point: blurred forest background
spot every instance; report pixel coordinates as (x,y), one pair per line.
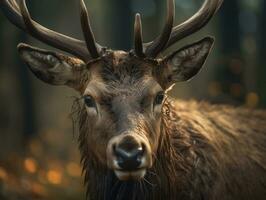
(39,156)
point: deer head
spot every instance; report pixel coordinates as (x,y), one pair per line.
(123,93)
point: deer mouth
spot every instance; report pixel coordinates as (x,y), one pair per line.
(130,175)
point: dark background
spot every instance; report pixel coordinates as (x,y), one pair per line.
(38,150)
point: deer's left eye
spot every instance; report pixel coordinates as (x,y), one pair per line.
(89,101)
(159,98)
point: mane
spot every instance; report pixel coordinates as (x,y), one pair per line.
(194,159)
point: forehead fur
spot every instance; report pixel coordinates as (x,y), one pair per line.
(121,72)
(120,66)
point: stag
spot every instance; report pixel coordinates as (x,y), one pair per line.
(135,141)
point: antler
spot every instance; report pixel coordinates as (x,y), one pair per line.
(88,34)
(192,25)
(138,36)
(155,47)
(19,16)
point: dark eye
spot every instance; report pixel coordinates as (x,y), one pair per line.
(159,98)
(89,101)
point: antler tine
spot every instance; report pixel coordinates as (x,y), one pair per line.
(68,44)
(14,5)
(28,21)
(154,48)
(138,36)
(192,25)
(87,31)
(196,22)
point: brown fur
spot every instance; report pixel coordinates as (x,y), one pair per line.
(206,152)
(198,150)
(135,143)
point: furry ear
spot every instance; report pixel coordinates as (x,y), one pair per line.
(51,67)
(185,63)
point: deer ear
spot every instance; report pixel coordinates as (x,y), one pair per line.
(185,63)
(51,67)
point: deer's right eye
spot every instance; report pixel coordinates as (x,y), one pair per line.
(89,101)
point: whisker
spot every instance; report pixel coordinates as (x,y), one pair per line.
(153,185)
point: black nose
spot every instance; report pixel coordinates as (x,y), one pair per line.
(129,158)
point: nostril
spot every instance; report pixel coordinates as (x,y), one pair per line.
(114,148)
(140,152)
(129,160)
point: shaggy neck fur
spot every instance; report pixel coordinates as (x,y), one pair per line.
(197,157)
